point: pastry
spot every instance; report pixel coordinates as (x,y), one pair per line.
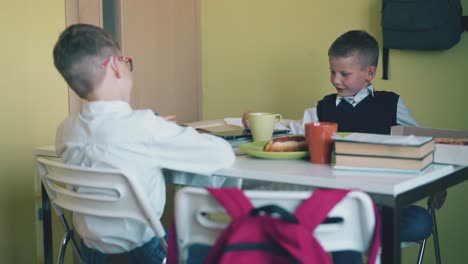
(452,141)
(286,144)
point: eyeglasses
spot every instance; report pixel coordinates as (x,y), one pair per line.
(127,60)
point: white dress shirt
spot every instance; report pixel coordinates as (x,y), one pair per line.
(109,134)
(404,116)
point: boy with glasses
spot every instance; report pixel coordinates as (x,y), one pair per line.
(108,133)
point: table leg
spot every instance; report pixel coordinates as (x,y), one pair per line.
(391,251)
(47,227)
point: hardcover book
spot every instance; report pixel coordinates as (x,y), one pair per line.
(375,151)
(384,162)
(363,144)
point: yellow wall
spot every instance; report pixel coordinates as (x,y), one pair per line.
(34,100)
(271,55)
(267,55)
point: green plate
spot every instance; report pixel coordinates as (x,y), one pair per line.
(256,149)
(344,134)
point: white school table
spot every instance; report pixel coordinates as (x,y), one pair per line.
(392,191)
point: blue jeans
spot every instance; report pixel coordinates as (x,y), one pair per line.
(197,254)
(151,252)
(415,225)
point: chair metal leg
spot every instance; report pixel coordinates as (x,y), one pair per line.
(163,243)
(421,251)
(435,237)
(69,235)
(76,248)
(422,248)
(63,246)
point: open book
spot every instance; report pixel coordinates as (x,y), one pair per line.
(217,125)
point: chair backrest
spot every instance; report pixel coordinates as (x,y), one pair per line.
(199,218)
(97,192)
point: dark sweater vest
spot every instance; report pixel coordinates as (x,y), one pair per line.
(374,114)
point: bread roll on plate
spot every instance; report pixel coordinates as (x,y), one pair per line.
(289,143)
(452,141)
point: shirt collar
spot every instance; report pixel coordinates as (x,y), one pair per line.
(94,107)
(357,98)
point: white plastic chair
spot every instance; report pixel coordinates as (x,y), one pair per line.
(199,218)
(113,194)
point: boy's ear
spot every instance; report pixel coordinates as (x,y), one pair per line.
(371,71)
(115,67)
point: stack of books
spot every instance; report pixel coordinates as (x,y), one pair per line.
(385,152)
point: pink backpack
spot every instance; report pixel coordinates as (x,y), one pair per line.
(254,236)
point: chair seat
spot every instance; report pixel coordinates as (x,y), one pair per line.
(109,193)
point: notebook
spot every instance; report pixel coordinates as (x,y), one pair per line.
(244,134)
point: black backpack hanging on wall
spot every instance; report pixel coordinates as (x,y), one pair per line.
(420,25)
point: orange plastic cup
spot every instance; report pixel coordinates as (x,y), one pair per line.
(319,139)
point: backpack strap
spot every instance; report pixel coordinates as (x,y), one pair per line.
(313,211)
(233,200)
(172,255)
(237,205)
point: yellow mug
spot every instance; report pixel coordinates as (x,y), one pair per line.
(262,125)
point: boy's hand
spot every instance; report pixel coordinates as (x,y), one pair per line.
(170,118)
(245,119)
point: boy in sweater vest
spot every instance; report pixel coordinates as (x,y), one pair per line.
(357,107)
